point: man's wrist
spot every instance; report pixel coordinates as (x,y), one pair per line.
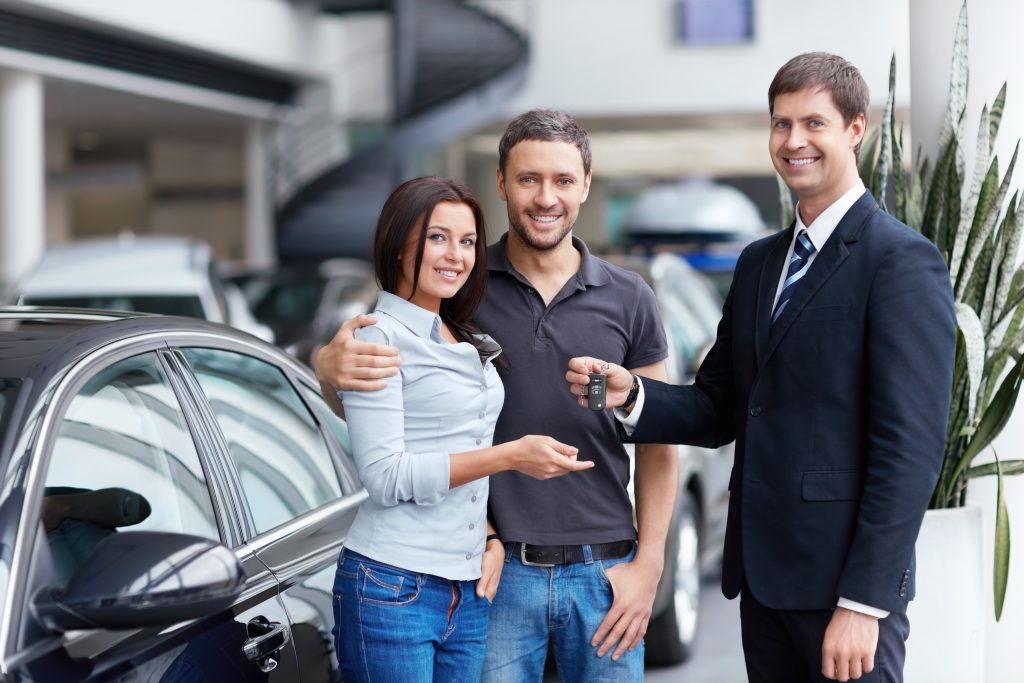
(651,558)
(634,391)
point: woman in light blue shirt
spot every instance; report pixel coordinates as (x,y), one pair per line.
(419,568)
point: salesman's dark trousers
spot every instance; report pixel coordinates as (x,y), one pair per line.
(784,646)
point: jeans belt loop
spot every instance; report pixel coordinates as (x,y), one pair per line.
(588,554)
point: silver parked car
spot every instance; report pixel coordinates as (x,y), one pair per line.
(173,498)
(149,274)
(690,308)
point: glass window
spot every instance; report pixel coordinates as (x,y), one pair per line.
(714,21)
(8,390)
(186,306)
(340,431)
(278,450)
(124,459)
(294,301)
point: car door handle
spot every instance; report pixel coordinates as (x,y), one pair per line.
(267,639)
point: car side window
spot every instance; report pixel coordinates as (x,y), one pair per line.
(123,460)
(349,484)
(282,460)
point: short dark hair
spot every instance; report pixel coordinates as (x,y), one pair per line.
(823,71)
(410,205)
(547,125)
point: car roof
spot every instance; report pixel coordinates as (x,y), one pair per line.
(124,264)
(39,342)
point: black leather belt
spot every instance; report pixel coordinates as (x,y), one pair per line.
(550,555)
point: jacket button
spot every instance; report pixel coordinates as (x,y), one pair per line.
(755,411)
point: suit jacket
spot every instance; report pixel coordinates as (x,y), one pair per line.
(838,410)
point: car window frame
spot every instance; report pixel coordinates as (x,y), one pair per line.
(29,542)
(292,371)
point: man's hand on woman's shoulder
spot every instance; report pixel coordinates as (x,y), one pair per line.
(347,364)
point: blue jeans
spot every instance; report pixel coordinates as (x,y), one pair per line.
(562,605)
(395,625)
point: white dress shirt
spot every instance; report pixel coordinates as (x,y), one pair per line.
(820,229)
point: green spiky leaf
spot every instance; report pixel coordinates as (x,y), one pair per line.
(994,419)
(989,469)
(868,155)
(1001,559)
(996,117)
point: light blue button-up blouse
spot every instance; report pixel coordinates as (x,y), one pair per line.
(445,399)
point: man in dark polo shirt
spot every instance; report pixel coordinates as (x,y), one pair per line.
(577,574)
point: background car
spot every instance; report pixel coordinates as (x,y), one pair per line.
(690,308)
(165,275)
(305,306)
(174,497)
(707,223)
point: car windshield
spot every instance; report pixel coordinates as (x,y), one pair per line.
(187,306)
(8,390)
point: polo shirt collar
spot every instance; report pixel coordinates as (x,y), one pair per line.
(420,321)
(592,271)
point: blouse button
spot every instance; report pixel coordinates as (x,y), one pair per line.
(473,499)
(479,441)
(472,526)
(469,556)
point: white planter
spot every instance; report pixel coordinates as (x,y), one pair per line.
(947,620)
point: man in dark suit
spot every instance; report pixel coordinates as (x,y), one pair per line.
(832,370)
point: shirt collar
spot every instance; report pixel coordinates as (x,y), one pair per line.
(420,321)
(822,227)
(592,271)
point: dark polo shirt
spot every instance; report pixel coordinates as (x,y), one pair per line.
(605,312)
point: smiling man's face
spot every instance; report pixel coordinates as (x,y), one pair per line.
(812,147)
(543,185)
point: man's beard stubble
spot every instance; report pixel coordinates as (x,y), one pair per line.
(516,224)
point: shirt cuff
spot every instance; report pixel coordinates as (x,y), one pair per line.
(630,419)
(429,477)
(862,608)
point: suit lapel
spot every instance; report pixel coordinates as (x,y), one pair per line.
(832,255)
(769,284)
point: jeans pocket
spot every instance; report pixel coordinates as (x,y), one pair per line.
(385,586)
(348,567)
(604,565)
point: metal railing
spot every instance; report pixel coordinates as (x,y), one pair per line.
(433,52)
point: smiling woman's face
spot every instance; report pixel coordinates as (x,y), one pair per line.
(449,254)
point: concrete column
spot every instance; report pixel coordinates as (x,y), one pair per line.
(260,249)
(22,224)
(993,57)
(58,195)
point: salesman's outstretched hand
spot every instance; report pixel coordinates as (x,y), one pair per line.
(848,650)
(618,380)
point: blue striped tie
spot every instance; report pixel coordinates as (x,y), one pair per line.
(798,264)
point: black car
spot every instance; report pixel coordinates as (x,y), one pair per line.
(173,497)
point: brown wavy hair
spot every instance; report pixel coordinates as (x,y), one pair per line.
(828,72)
(409,208)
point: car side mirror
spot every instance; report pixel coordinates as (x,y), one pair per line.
(136,579)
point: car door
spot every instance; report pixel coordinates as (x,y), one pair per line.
(299,496)
(122,455)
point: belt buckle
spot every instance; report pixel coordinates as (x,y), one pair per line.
(522,558)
